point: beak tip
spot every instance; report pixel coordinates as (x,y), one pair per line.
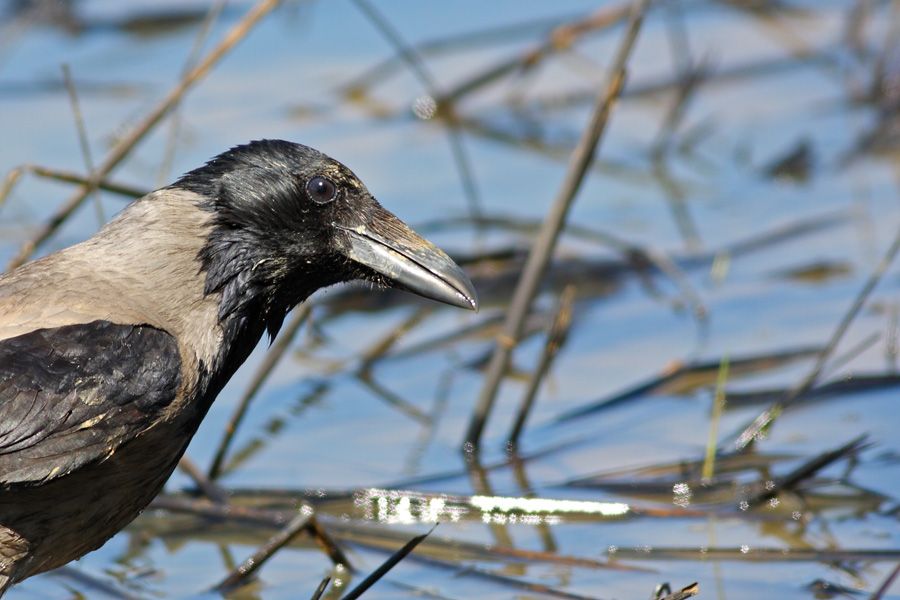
(454,289)
(465,301)
(471,300)
(465,293)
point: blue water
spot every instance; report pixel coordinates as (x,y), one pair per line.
(281,81)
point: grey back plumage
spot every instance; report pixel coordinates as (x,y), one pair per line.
(141,268)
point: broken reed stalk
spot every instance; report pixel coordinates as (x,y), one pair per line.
(678,375)
(539,257)
(383,345)
(703,72)
(257,517)
(688,591)
(773,555)
(886,585)
(323,585)
(253,563)
(386,566)
(676,274)
(271,360)
(326,542)
(280,348)
(680,50)
(709,462)
(82,137)
(9,182)
(560,38)
(125,145)
(210,489)
(808,469)
(556,337)
(12,178)
(406,52)
(78,179)
(410,56)
(212,14)
(854,352)
(630,251)
(392,399)
(764,421)
(463,40)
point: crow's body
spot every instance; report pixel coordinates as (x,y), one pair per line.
(112,350)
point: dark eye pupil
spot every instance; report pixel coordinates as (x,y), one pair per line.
(321,189)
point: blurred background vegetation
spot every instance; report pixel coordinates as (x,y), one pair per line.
(727,259)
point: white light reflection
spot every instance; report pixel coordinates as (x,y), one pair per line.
(403,507)
(396,507)
(505,504)
(424,107)
(682,494)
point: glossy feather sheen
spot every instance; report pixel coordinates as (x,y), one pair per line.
(80,409)
(73,395)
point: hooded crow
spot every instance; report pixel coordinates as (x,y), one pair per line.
(113,350)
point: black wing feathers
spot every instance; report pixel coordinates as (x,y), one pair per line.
(72,395)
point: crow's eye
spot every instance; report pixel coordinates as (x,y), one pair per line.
(321,189)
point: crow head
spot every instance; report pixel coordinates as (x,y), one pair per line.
(288,220)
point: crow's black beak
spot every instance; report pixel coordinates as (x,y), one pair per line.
(387,246)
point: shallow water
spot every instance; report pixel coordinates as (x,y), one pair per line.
(311,429)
